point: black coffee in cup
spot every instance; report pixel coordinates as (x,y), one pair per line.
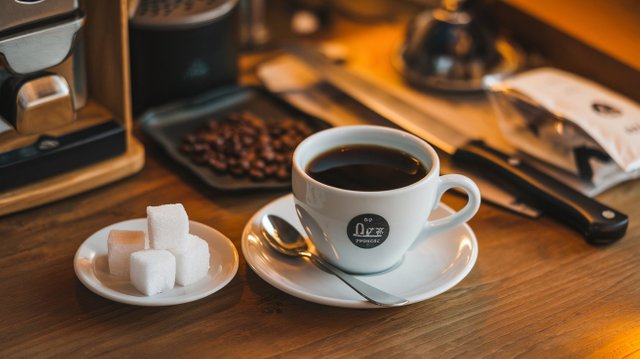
(366,168)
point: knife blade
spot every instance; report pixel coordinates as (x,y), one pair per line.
(599,224)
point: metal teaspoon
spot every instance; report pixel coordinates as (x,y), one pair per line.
(286,239)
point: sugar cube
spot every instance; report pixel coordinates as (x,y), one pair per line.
(192,260)
(168,226)
(152,270)
(120,245)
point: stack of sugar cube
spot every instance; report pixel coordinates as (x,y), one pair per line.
(171,256)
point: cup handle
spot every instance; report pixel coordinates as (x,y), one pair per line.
(446,183)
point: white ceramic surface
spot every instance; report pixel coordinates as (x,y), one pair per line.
(91,267)
(368,232)
(431,268)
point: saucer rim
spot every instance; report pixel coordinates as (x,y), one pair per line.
(350,303)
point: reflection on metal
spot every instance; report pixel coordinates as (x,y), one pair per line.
(449,49)
(285,239)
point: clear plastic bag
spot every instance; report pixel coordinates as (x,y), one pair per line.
(569,122)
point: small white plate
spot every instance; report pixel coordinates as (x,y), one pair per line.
(92,268)
(431,268)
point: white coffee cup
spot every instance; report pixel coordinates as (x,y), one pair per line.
(369,232)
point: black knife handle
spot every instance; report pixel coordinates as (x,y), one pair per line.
(598,223)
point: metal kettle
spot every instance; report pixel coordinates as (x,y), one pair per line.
(451,49)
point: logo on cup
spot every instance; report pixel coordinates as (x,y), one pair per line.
(368,230)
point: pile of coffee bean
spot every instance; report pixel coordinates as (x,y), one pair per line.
(245,145)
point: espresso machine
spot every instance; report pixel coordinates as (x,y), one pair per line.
(42,89)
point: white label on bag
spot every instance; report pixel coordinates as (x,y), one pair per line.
(611,119)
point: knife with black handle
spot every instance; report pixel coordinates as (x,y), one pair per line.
(598,223)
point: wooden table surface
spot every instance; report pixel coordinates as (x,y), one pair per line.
(537,289)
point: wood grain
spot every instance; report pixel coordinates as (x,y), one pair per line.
(74,182)
(537,290)
(107,50)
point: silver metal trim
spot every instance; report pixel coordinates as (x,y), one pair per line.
(15,13)
(42,104)
(37,49)
(183,20)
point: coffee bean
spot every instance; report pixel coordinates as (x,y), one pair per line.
(210,138)
(290,141)
(259,164)
(245,165)
(277,144)
(264,139)
(200,147)
(256,174)
(218,165)
(283,173)
(248,140)
(237,146)
(186,147)
(219,142)
(270,169)
(190,138)
(275,131)
(268,154)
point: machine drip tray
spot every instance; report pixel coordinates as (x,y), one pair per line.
(50,156)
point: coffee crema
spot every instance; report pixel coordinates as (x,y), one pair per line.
(366,168)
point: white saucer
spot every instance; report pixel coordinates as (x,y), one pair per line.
(92,268)
(431,268)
